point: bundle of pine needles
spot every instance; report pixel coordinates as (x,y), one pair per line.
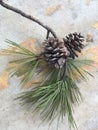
(55,93)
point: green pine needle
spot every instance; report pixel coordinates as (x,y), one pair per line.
(25,64)
(76,71)
(53,100)
(22,49)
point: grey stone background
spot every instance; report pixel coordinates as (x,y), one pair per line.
(73,15)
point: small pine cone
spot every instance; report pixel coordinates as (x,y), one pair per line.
(73,42)
(55,52)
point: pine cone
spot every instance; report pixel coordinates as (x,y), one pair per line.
(73,42)
(55,52)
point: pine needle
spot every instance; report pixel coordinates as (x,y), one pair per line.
(53,100)
(26,63)
(21,48)
(76,69)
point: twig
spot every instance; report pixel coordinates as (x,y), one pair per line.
(49,30)
(47,34)
(64,76)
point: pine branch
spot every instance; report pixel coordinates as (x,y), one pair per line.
(28,17)
(54,96)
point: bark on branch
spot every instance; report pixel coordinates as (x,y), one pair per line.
(49,30)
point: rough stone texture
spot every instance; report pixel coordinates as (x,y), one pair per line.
(74,15)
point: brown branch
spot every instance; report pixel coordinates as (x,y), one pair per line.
(49,30)
(47,34)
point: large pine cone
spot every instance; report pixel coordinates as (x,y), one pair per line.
(73,42)
(55,52)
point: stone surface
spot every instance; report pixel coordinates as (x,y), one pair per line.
(73,15)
